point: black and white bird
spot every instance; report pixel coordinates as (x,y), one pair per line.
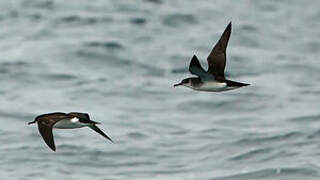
(59,120)
(212,80)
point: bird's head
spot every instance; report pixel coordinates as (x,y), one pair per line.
(34,121)
(186,82)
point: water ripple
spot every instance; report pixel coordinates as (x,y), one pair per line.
(280,173)
(268,139)
(175,20)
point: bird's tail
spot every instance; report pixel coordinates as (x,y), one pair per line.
(236,84)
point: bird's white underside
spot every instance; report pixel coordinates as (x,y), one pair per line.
(69,124)
(213,86)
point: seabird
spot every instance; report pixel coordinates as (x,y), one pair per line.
(61,120)
(212,80)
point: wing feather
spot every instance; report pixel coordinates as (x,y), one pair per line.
(196,69)
(217,57)
(96,129)
(45,128)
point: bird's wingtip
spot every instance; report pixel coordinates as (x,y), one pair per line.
(230,24)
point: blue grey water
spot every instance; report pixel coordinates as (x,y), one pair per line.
(118,61)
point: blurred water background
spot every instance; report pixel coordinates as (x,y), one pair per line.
(117,60)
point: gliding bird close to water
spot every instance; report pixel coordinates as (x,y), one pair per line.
(58,120)
(212,80)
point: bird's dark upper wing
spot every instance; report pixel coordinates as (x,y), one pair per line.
(195,67)
(217,58)
(52,115)
(45,125)
(96,129)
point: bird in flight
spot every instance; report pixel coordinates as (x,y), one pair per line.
(212,80)
(59,120)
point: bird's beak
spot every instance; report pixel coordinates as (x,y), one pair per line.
(31,122)
(179,84)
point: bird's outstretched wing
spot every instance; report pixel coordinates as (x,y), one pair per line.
(196,69)
(45,129)
(96,129)
(217,57)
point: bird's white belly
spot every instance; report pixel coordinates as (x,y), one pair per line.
(67,124)
(214,87)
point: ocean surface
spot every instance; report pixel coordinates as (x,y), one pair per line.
(118,60)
